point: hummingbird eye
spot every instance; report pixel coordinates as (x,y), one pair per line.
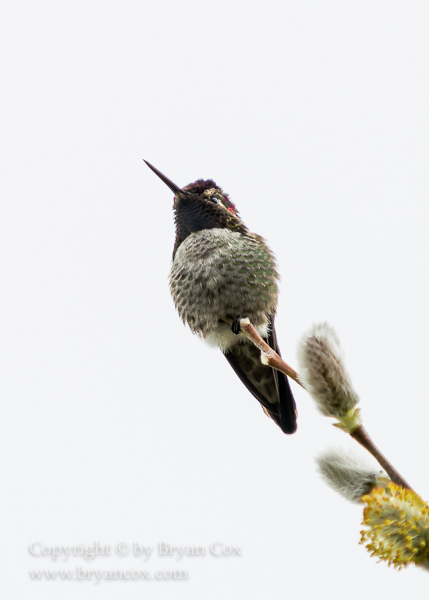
(215,199)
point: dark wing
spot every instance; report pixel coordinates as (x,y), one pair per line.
(268,385)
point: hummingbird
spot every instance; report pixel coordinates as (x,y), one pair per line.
(221,269)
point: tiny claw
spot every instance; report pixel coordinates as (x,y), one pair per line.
(236,325)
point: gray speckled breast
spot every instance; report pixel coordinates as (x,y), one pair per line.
(218,272)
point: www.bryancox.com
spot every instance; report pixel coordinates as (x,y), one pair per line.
(95,575)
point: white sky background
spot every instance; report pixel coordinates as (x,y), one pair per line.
(119,424)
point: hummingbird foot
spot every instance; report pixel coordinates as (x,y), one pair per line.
(236,325)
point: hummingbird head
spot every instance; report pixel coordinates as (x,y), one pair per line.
(200,205)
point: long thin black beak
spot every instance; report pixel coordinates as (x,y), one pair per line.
(173,187)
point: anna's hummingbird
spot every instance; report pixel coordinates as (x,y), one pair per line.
(220,269)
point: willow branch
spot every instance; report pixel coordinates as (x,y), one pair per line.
(272,359)
(268,356)
(360,435)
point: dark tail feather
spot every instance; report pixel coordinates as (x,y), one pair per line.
(267,385)
(288,412)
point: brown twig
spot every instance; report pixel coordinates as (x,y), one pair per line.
(272,359)
(268,357)
(360,435)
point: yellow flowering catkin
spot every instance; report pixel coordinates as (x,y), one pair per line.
(397,522)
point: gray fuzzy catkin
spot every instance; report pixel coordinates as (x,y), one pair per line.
(349,474)
(322,371)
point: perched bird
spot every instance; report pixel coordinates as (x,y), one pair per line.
(220,269)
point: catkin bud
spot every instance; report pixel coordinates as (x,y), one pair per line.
(397,522)
(350,474)
(323,374)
